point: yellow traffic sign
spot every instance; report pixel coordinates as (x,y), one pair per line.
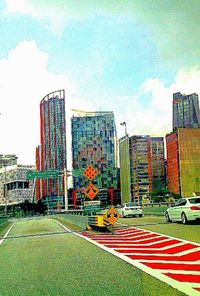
(90,172)
(91,191)
(112,216)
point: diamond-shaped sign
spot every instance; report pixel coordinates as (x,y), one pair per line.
(112,216)
(91,191)
(90,172)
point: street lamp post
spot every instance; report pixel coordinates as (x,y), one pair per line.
(124,123)
(66,175)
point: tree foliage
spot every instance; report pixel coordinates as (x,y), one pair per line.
(33,208)
(163,195)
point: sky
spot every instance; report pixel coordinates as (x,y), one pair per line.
(119,55)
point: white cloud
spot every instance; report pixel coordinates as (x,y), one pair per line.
(24,81)
(155,118)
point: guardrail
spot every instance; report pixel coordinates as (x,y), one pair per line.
(157,204)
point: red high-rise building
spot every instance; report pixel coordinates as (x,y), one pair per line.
(173,163)
(183,161)
(51,154)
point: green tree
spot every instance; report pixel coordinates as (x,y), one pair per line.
(41,207)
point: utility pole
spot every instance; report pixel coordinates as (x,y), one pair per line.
(5,193)
(66,189)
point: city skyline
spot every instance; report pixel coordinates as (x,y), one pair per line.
(124,57)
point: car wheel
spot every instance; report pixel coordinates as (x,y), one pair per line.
(140,215)
(184,218)
(167,218)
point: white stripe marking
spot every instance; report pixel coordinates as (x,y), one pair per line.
(153,272)
(183,287)
(6,234)
(63,226)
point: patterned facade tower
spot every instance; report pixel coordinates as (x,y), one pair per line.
(94,143)
(185,111)
(51,154)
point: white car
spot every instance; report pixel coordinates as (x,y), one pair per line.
(184,209)
(130,209)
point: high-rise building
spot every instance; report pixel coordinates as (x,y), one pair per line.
(142,168)
(51,154)
(158,163)
(125,177)
(94,143)
(185,111)
(183,161)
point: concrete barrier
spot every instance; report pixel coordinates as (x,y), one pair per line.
(78,220)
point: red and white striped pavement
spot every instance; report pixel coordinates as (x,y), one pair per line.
(171,260)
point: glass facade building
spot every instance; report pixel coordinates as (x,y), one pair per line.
(185,111)
(94,143)
(51,153)
(183,161)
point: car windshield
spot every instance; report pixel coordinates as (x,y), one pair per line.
(131,204)
(194,200)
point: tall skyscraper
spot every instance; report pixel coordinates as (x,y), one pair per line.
(186,111)
(142,168)
(183,161)
(94,143)
(158,163)
(51,154)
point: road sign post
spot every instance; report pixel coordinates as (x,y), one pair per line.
(90,172)
(91,206)
(111,216)
(51,174)
(91,191)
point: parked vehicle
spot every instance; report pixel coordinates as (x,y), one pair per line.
(130,209)
(184,210)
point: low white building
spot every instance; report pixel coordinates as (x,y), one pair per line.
(17,188)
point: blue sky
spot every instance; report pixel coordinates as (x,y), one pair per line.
(123,56)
